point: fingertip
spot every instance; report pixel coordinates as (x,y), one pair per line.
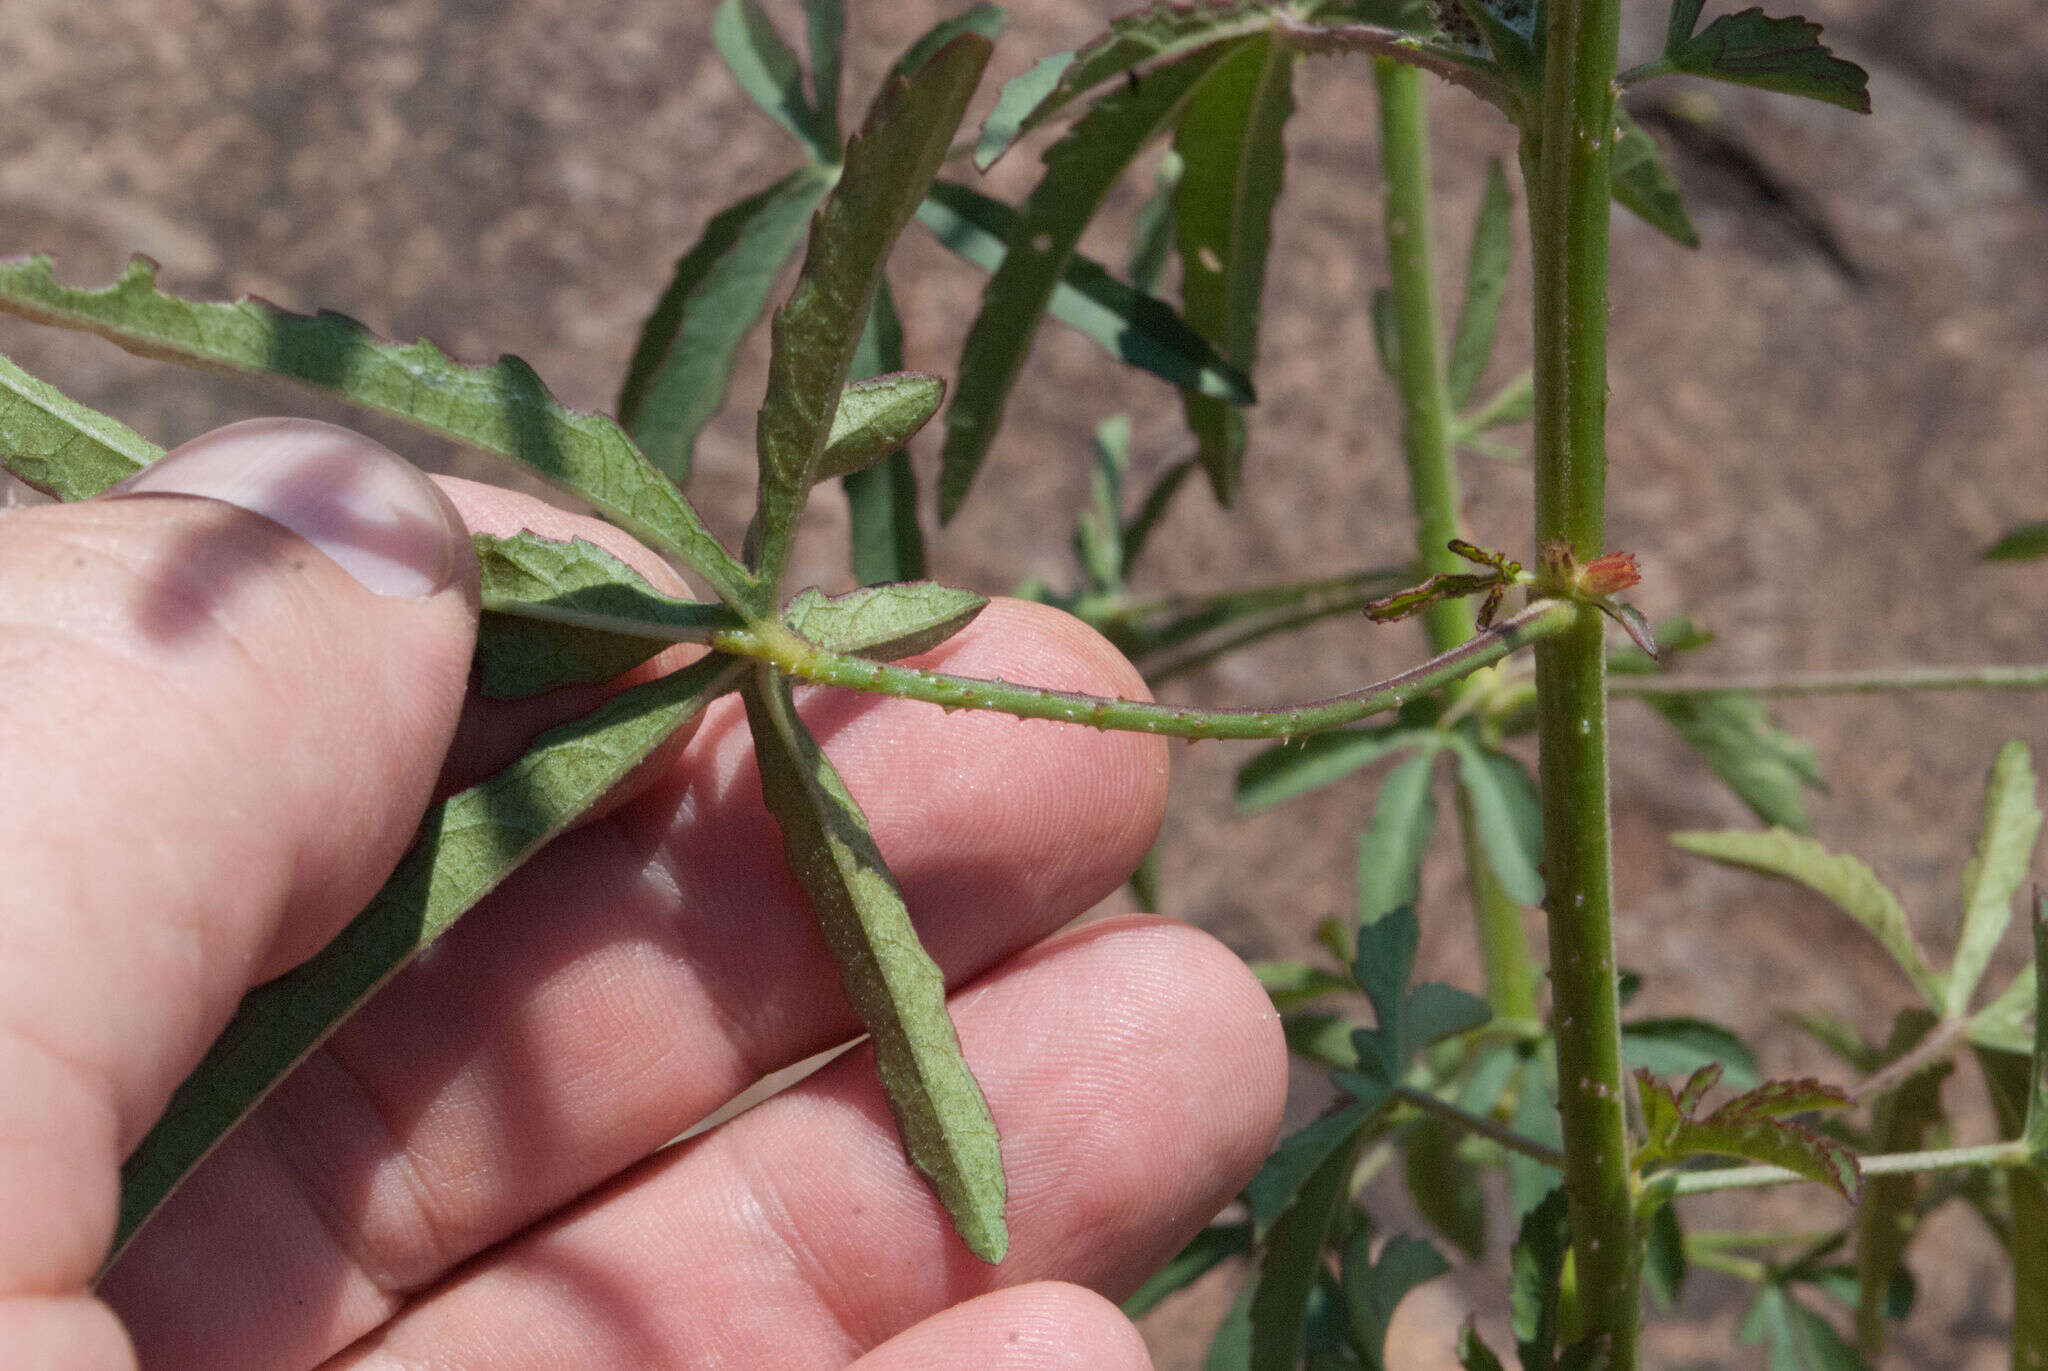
(1041,1326)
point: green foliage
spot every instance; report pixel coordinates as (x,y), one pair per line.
(502,409)
(1291,1263)
(1445,1186)
(1886,1220)
(1409,1018)
(1290,769)
(1681,1046)
(59,446)
(885,540)
(2012,821)
(1229,143)
(1644,186)
(1205,1251)
(898,991)
(1125,321)
(769,73)
(1486,275)
(677,379)
(876,417)
(1753,49)
(1764,765)
(468,844)
(1752,1125)
(1391,849)
(1795,1338)
(1157,35)
(1373,1288)
(888,166)
(2021,543)
(559,614)
(1506,813)
(1079,170)
(884,622)
(1848,883)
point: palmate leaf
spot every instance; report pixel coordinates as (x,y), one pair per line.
(1486,275)
(1409,1019)
(2012,821)
(1158,34)
(898,991)
(1764,764)
(1753,49)
(63,448)
(468,844)
(1079,170)
(1795,1338)
(884,539)
(1129,324)
(889,164)
(769,73)
(1848,883)
(502,409)
(679,373)
(1232,160)
(1644,186)
(1754,1125)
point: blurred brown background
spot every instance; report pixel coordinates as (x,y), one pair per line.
(1818,419)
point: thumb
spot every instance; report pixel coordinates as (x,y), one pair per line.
(220,721)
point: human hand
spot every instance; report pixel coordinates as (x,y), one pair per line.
(217,743)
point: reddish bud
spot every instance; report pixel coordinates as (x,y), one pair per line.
(1610,574)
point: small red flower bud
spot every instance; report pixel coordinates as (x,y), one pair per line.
(1610,574)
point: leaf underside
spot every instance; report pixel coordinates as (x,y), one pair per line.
(897,990)
(502,409)
(468,844)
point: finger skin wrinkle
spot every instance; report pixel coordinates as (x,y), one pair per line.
(59,1164)
(405,1240)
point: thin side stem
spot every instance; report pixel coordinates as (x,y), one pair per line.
(1426,439)
(1480,1124)
(1200,655)
(1569,151)
(1869,681)
(782,648)
(2010,1153)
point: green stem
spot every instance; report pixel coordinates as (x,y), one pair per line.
(1568,151)
(1426,426)
(2010,1153)
(2027,676)
(1419,359)
(1480,1124)
(782,648)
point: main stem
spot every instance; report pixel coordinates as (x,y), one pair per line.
(1509,969)
(1568,151)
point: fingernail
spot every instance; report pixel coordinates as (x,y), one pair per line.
(373,512)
